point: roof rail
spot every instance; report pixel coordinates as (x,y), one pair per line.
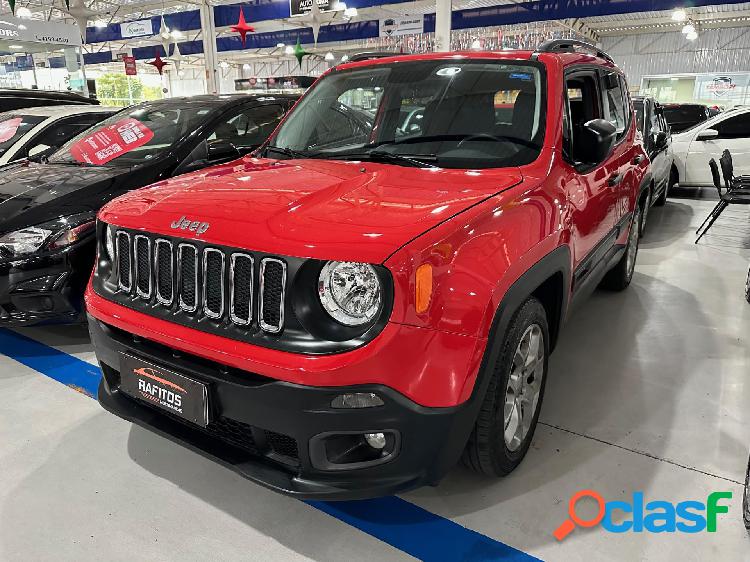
(370,55)
(569,46)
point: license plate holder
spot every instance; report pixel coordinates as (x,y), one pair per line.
(164,389)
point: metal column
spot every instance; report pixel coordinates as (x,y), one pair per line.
(208,31)
(443,9)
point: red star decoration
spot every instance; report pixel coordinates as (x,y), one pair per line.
(242,28)
(158,63)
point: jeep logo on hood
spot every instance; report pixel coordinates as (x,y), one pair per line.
(184,223)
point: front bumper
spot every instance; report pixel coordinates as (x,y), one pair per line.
(267,430)
(47,288)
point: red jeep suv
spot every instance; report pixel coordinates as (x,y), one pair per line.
(375,293)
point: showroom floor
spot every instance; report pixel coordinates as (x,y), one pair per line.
(649,392)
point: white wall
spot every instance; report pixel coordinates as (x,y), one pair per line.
(715,50)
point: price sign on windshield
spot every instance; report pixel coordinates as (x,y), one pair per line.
(110,142)
(9,128)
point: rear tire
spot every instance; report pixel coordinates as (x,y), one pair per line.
(747,286)
(620,276)
(509,414)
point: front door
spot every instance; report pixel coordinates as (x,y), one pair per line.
(734,134)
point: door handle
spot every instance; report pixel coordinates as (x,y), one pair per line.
(614,180)
(638,159)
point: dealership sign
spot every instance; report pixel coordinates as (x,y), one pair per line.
(408,25)
(33,31)
(299,7)
(140,28)
(130,68)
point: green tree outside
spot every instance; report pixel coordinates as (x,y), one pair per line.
(112,89)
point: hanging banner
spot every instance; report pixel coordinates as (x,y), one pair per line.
(9,128)
(408,25)
(130,68)
(139,28)
(112,141)
(299,7)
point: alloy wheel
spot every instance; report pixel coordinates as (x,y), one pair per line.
(524,387)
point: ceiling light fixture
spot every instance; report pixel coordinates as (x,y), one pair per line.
(691,36)
(100,24)
(289,50)
(351,12)
(476,44)
(15,47)
(224,64)
(23,12)
(688,28)
(329,56)
(280,45)
(344,58)
(679,15)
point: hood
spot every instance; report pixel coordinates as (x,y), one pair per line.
(31,193)
(325,209)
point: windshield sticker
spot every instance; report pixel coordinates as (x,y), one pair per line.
(9,128)
(521,76)
(111,142)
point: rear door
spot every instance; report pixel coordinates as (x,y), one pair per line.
(592,197)
(659,155)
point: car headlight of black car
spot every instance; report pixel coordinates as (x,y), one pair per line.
(47,236)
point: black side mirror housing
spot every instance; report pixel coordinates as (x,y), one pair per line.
(222,151)
(660,140)
(595,141)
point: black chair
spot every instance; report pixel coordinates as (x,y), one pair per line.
(731,197)
(732,182)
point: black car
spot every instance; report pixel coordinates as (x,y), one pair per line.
(657,141)
(684,116)
(11,99)
(48,208)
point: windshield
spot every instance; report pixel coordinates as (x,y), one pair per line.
(683,117)
(133,136)
(14,126)
(447,113)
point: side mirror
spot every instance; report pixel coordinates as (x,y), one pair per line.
(707,134)
(222,151)
(40,150)
(595,142)
(660,139)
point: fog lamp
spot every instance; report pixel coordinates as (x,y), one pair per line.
(357,400)
(375,440)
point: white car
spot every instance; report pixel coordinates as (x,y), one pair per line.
(695,147)
(26,132)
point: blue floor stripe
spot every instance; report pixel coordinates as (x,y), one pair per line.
(401,524)
(71,371)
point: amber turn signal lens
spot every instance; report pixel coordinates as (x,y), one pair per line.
(424,287)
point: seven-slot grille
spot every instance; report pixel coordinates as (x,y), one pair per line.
(212,282)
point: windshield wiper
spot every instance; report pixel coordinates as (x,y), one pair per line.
(289,152)
(416,160)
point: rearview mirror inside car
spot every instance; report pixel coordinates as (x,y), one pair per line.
(222,150)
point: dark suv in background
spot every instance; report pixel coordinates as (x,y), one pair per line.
(657,141)
(11,98)
(684,116)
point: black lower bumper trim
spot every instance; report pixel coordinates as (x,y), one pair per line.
(288,417)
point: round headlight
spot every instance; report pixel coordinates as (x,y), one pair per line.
(110,243)
(350,292)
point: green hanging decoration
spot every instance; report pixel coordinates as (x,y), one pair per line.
(299,52)
(12,6)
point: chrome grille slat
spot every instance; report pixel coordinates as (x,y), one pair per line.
(124,274)
(140,263)
(209,284)
(272,294)
(203,281)
(164,247)
(236,282)
(182,264)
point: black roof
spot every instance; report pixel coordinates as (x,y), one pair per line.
(73,97)
(221,99)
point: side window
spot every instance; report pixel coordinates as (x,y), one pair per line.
(655,122)
(248,128)
(737,127)
(583,105)
(616,109)
(61,131)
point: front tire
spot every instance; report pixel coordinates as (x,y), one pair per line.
(746,499)
(747,286)
(509,414)
(620,276)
